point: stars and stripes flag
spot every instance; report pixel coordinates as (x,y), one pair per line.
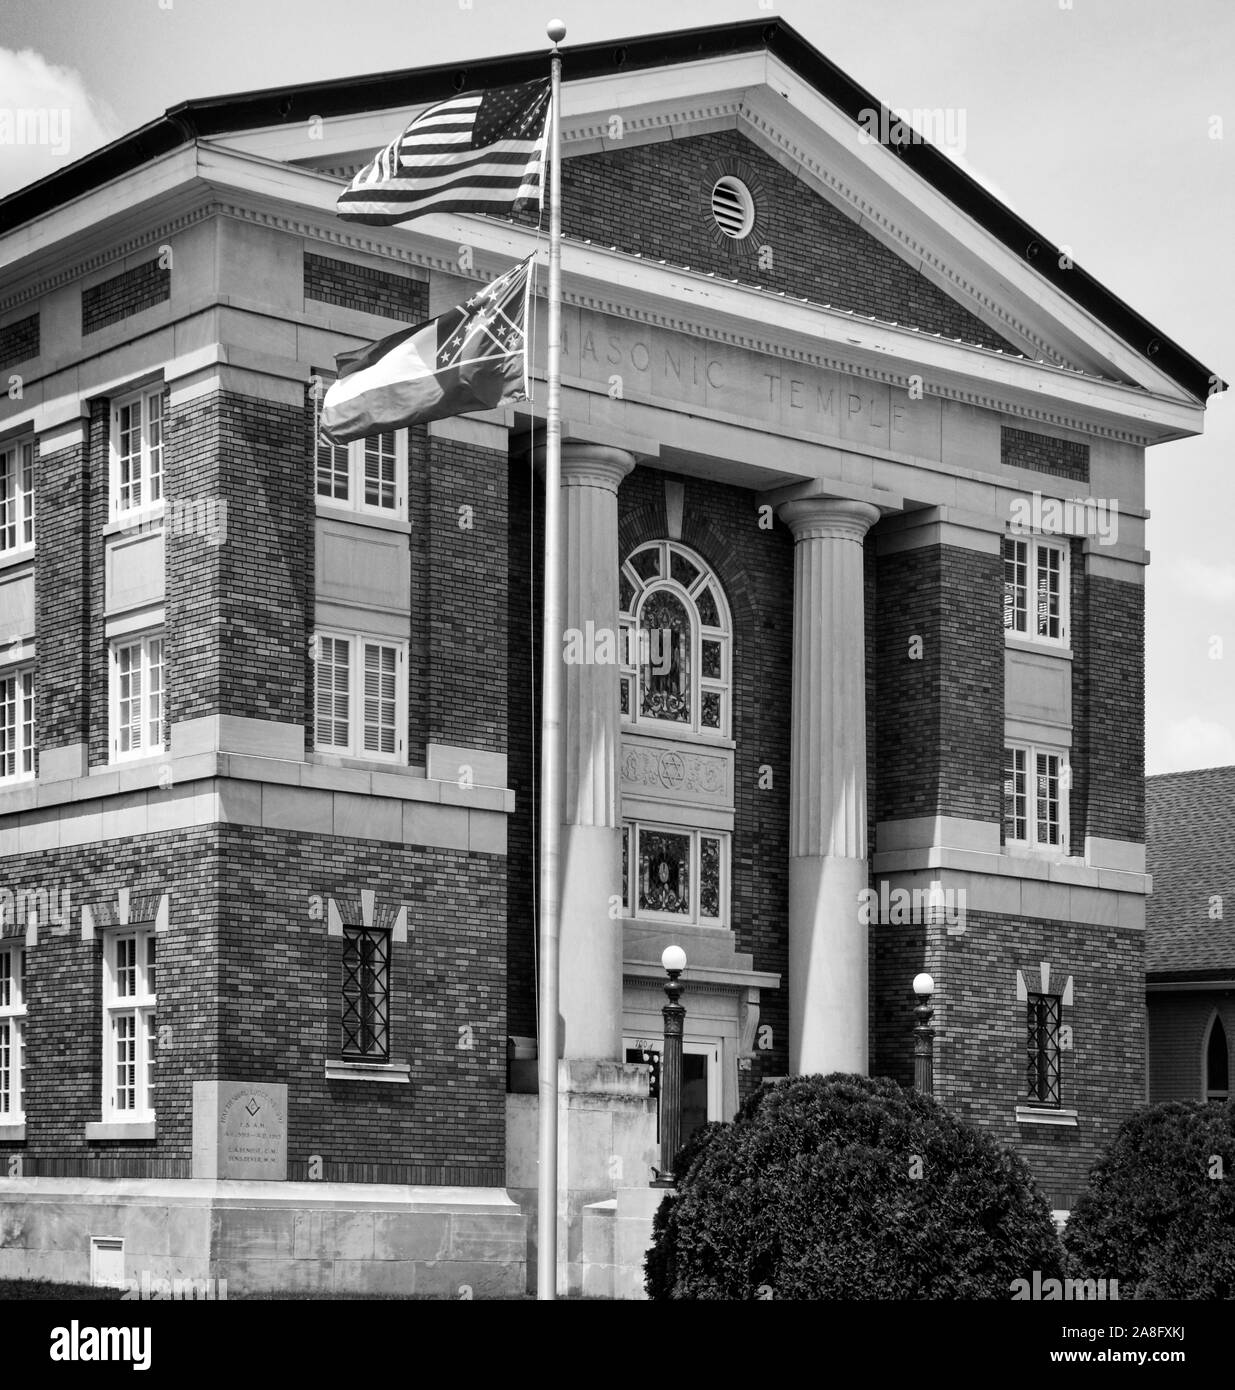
(473,357)
(477,152)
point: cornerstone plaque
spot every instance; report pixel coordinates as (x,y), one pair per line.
(240,1130)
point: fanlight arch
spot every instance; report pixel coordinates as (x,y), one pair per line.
(677,642)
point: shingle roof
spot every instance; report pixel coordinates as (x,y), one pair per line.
(1190,850)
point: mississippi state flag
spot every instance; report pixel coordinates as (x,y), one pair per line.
(477,152)
(472,358)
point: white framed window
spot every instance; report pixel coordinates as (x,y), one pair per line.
(17,497)
(136,452)
(130,1028)
(366,476)
(360,696)
(675,874)
(16,724)
(137,695)
(1035,590)
(12,1035)
(675,648)
(1035,797)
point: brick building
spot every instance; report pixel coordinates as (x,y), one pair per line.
(1189,936)
(267,974)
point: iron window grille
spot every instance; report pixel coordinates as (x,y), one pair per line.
(366,994)
(1043,1049)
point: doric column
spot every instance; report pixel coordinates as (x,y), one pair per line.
(827,822)
(591,850)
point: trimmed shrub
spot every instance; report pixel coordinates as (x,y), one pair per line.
(844,1187)
(1159,1211)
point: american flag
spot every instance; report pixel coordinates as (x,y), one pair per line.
(477,152)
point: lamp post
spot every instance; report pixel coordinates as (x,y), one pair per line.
(674,961)
(924,1036)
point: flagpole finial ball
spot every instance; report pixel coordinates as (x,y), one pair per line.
(556,30)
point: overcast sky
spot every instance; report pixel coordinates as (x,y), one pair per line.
(1107,124)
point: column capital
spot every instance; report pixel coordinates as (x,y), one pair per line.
(590,465)
(828,518)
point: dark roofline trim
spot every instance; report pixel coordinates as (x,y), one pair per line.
(214,116)
(1219,978)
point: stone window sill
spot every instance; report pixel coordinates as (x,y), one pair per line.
(1016,642)
(1045,1115)
(328,511)
(121,1129)
(13,1132)
(398,1072)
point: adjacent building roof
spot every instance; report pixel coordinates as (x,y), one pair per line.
(293,105)
(1190,851)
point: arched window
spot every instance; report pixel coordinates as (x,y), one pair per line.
(676,642)
(1217,1062)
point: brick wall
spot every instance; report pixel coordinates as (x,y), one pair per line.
(240,613)
(467,539)
(940,715)
(525,612)
(61,603)
(365,288)
(19,341)
(64,1024)
(1178,1032)
(980,1048)
(249,988)
(656,199)
(1112,677)
(1044,454)
(280,984)
(125,294)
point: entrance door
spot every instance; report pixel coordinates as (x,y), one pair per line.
(700,1079)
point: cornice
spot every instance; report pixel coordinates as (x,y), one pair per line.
(115,251)
(587,294)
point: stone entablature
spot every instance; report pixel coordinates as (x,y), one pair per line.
(673,774)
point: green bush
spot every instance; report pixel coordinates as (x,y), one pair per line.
(1159,1212)
(846,1187)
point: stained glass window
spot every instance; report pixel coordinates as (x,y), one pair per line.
(665,657)
(664,872)
(679,874)
(709,876)
(678,666)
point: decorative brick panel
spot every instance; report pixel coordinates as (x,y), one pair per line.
(467,538)
(124,295)
(240,613)
(61,602)
(363,287)
(1110,670)
(19,341)
(655,199)
(940,715)
(1044,454)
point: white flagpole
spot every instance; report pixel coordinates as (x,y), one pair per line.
(551,699)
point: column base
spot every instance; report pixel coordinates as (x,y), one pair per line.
(828,1005)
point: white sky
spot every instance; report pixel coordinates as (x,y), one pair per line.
(1095,119)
